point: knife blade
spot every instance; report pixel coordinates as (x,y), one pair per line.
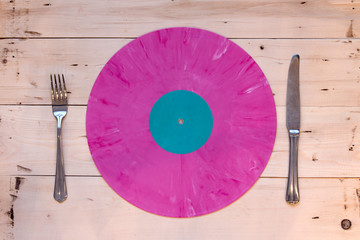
(293,126)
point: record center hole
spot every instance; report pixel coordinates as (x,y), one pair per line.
(181,121)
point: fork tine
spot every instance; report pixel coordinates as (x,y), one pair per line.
(65,92)
(60,88)
(56,89)
(52,88)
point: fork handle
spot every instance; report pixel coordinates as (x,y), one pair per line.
(60,190)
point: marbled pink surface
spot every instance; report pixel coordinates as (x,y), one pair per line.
(164,183)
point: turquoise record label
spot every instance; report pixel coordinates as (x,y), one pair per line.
(181,122)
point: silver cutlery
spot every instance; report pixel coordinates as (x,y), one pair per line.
(59,107)
(293,126)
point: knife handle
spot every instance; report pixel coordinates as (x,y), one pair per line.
(292,191)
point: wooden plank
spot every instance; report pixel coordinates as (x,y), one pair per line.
(129,18)
(94,211)
(7,198)
(328,78)
(329,142)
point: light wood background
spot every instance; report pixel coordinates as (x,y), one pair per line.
(77,37)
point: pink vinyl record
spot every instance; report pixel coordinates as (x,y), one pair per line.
(181,122)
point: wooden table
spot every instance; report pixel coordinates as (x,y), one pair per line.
(78,37)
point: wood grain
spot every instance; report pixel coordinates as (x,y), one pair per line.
(330,68)
(131,18)
(7,197)
(329,142)
(78,37)
(94,211)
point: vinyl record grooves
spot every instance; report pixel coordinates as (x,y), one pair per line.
(181,122)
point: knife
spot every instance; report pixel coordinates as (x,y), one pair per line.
(293,126)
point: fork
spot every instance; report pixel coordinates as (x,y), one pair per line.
(59,108)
